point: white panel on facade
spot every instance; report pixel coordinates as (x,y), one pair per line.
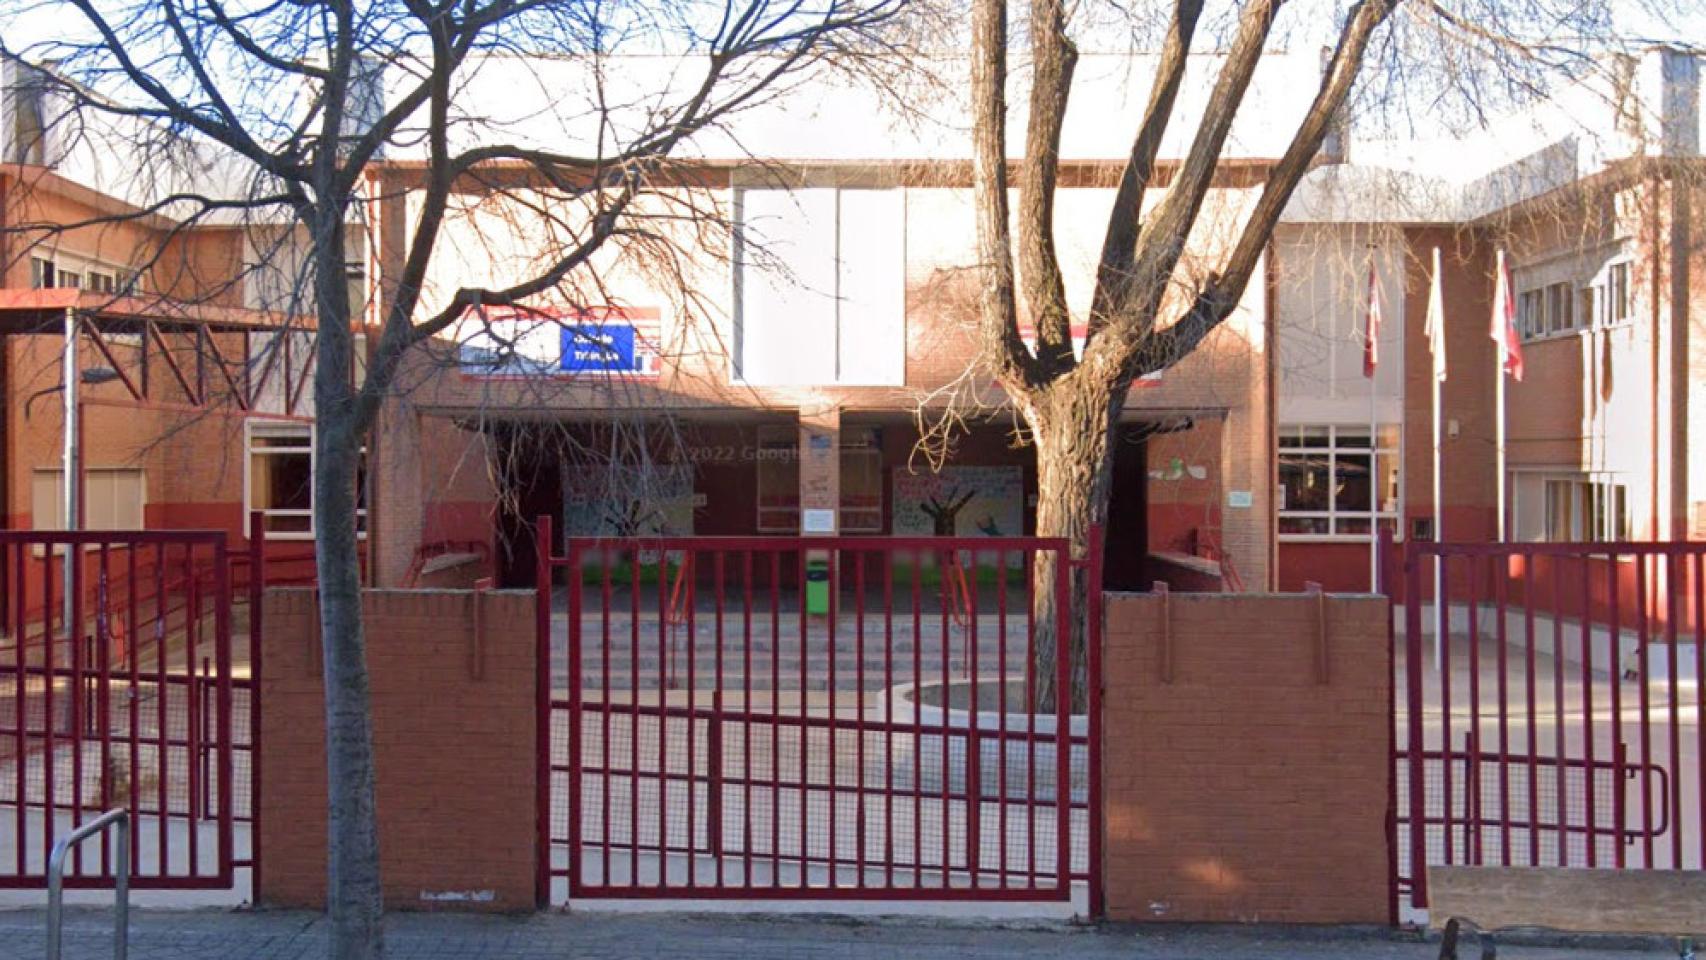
(871,332)
(1322,309)
(785,272)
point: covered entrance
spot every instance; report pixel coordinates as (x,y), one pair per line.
(753,476)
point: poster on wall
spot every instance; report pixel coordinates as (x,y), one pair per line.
(627,500)
(960,502)
(507,342)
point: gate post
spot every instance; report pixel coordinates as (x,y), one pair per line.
(257,590)
(542,721)
(1093,726)
(1383,586)
(1414,745)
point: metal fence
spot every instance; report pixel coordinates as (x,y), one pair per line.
(120,686)
(835,717)
(1550,707)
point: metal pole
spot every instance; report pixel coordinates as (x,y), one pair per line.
(1499,397)
(71,462)
(1439,528)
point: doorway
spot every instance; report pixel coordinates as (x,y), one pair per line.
(1125,553)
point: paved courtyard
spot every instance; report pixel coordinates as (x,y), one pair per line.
(211,935)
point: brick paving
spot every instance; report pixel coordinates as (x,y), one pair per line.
(215,935)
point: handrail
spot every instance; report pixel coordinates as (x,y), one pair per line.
(121,886)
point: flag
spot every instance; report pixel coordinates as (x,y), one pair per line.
(1435,328)
(1503,328)
(1371,329)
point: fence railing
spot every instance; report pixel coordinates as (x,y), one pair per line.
(1551,707)
(139,699)
(851,717)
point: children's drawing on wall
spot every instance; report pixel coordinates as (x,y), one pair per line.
(944,513)
(1176,469)
(959,501)
(627,500)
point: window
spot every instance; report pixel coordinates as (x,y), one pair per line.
(1560,304)
(70,278)
(280,480)
(113,499)
(1619,305)
(42,273)
(1569,508)
(1547,311)
(778,479)
(1531,314)
(101,282)
(861,481)
(820,287)
(1333,482)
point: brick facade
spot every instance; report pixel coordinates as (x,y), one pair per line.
(1244,782)
(454,748)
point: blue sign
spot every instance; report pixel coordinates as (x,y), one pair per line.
(599,348)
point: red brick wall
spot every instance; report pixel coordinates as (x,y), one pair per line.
(1239,786)
(455,754)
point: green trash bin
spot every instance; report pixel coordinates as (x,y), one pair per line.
(817,586)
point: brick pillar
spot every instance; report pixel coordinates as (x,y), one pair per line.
(1247,758)
(452,681)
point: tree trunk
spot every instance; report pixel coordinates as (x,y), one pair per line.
(353,895)
(352,855)
(1071,425)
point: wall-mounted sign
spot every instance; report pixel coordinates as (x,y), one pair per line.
(1080,333)
(553,342)
(817,521)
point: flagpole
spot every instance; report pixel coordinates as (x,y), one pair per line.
(1499,414)
(1373,459)
(1438,485)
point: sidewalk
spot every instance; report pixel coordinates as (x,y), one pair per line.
(218,935)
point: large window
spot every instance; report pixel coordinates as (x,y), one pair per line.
(280,480)
(820,287)
(1337,481)
(1569,508)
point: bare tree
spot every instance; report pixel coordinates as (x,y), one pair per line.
(1150,307)
(292,105)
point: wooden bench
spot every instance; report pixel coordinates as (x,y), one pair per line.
(1567,900)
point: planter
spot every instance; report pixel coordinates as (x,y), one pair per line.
(1016,751)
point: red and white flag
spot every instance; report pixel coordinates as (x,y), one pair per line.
(1371,329)
(1503,327)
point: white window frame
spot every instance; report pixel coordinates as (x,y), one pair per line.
(1578,479)
(1608,291)
(1591,304)
(282,427)
(1331,449)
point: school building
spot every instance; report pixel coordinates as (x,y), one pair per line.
(793,372)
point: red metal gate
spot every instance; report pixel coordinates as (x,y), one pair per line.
(123,695)
(813,717)
(1551,707)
